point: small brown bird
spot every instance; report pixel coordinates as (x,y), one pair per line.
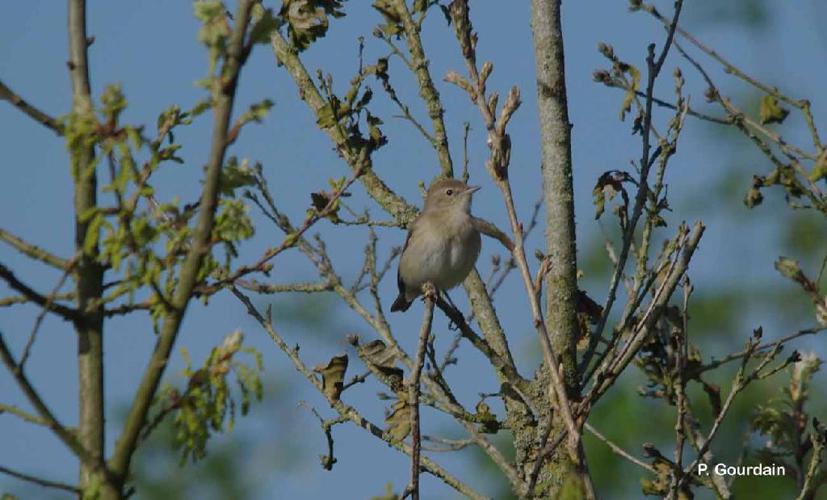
(443,244)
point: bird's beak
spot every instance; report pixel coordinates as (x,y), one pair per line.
(472,189)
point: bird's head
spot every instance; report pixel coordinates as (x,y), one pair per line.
(449,195)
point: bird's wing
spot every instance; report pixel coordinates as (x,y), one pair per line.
(399,283)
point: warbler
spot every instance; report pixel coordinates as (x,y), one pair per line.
(442,245)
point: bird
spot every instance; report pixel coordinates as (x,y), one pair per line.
(442,245)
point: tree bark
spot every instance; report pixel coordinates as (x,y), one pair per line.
(555,138)
(88,273)
(560,474)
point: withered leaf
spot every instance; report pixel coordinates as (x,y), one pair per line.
(377,353)
(399,421)
(487,420)
(608,185)
(308,19)
(333,375)
(713,392)
(771,111)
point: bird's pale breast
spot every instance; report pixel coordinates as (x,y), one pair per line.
(441,250)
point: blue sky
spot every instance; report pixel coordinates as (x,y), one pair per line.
(150,48)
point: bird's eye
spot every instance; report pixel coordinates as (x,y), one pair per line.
(449,192)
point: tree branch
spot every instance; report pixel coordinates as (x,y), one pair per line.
(414,390)
(654,67)
(555,133)
(63,433)
(6,94)
(33,251)
(427,89)
(23,415)
(607,375)
(88,273)
(618,450)
(288,56)
(347,411)
(46,483)
(223,99)
(393,204)
(31,295)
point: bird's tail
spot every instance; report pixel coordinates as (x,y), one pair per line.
(400,304)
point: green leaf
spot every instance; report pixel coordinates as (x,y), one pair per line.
(232,223)
(199,108)
(264,23)
(214,31)
(235,175)
(207,405)
(256,112)
(113,102)
(90,239)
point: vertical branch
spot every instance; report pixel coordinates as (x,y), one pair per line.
(561,249)
(382,194)
(288,56)
(555,138)
(414,392)
(653,70)
(682,352)
(88,273)
(427,89)
(223,99)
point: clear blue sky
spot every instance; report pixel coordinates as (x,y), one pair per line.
(151,49)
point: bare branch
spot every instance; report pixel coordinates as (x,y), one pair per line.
(31,295)
(46,483)
(645,165)
(23,415)
(33,251)
(39,320)
(414,389)
(347,411)
(426,86)
(224,99)
(618,450)
(730,68)
(6,94)
(63,433)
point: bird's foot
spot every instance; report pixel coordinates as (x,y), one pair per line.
(429,292)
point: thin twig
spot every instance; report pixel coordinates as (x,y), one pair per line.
(427,90)
(682,354)
(414,390)
(347,411)
(49,420)
(618,450)
(39,320)
(46,483)
(767,345)
(66,313)
(224,95)
(6,94)
(23,415)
